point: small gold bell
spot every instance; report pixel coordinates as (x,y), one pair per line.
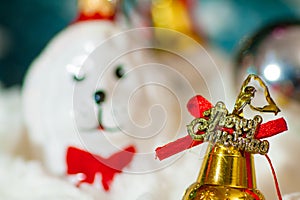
(226,173)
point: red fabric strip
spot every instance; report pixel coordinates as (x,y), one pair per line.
(175,147)
(271,128)
(197,105)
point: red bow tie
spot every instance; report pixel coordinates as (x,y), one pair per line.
(82,162)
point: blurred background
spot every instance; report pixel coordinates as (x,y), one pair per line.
(27,26)
(242,31)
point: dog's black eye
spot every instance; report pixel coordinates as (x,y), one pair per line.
(120,71)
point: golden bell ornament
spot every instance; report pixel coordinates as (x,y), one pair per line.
(227,171)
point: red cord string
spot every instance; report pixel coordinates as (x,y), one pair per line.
(275,178)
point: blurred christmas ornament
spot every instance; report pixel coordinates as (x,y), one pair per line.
(228,169)
(174,15)
(273,54)
(96,9)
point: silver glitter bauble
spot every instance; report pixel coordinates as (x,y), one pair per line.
(273,53)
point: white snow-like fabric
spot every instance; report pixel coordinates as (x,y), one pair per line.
(11,120)
(20,179)
(292,196)
(27,180)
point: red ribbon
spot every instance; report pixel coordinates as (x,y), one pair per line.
(196,106)
(82,162)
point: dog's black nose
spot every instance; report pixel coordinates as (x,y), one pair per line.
(99,96)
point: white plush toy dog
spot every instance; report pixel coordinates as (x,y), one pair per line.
(96,108)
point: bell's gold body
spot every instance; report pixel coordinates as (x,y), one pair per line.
(226,174)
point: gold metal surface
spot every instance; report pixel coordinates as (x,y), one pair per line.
(246,95)
(105,8)
(226,173)
(173,15)
(210,192)
(227,166)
